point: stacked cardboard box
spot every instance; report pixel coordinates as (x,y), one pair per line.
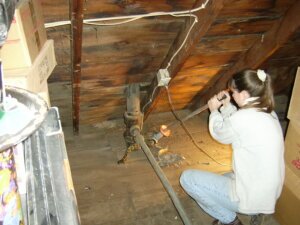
(34,78)
(288,206)
(28,57)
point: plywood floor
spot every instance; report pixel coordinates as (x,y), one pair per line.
(131,194)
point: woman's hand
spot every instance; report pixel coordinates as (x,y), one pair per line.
(214,103)
(226,100)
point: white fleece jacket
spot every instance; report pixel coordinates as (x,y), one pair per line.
(258,161)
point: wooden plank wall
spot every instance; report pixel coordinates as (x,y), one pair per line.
(114,56)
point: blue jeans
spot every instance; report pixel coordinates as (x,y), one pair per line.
(211,192)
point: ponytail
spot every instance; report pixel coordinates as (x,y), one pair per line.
(257,84)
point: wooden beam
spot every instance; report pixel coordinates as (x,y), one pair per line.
(255,56)
(77,25)
(206,17)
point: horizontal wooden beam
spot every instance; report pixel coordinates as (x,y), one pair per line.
(206,17)
(260,51)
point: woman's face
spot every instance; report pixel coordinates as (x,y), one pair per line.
(240,97)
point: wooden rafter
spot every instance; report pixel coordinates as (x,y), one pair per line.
(205,19)
(260,51)
(77,25)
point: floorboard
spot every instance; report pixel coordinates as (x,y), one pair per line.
(131,194)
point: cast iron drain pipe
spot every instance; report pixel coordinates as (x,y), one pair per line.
(139,139)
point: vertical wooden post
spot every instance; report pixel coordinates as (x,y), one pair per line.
(77,25)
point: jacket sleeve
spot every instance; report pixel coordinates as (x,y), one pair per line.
(228,110)
(220,128)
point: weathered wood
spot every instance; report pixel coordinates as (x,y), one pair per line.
(99,114)
(106,8)
(77,24)
(207,72)
(205,19)
(283,78)
(187,83)
(55,10)
(61,96)
(287,50)
(240,26)
(141,42)
(254,8)
(165,107)
(262,49)
(282,62)
(115,56)
(61,73)
(234,43)
(102,91)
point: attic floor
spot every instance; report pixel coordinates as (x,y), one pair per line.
(131,194)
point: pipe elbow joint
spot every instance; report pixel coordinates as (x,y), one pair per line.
(134,130)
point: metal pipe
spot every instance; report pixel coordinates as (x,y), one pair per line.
(157,136)
(164,180)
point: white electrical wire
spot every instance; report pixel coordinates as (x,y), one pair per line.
(185,13)
(130,18)
(112,24)
(178,50)
(150,100)
(182,44)
(58,23)
(188,132)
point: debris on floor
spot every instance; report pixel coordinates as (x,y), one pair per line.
(165,157)
(169,159)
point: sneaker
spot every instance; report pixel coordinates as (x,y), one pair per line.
(235,222)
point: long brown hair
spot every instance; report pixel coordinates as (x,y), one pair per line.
(249,81)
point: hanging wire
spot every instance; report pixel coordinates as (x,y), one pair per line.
(187,131)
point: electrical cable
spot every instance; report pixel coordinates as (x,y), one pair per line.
(112,24)
(150,100)
(187,131)
(202,6)
(178,50)
(182,44)
(57,24)
(130,18)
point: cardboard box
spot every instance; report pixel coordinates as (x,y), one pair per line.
(288,205)
(33,78)
(292,147)
(294,108)
(26,36)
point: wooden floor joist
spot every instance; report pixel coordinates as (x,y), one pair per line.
(77,24)
(260,51)
(206,17)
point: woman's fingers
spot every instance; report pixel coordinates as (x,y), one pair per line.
(214,103)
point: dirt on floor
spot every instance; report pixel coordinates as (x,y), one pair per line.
(109,193)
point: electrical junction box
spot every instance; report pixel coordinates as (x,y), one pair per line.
(163,77)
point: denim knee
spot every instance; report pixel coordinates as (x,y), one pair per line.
(184,178)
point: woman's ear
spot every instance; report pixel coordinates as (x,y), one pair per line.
(245,94)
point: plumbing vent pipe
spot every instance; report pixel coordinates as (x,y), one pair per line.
(135,131)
